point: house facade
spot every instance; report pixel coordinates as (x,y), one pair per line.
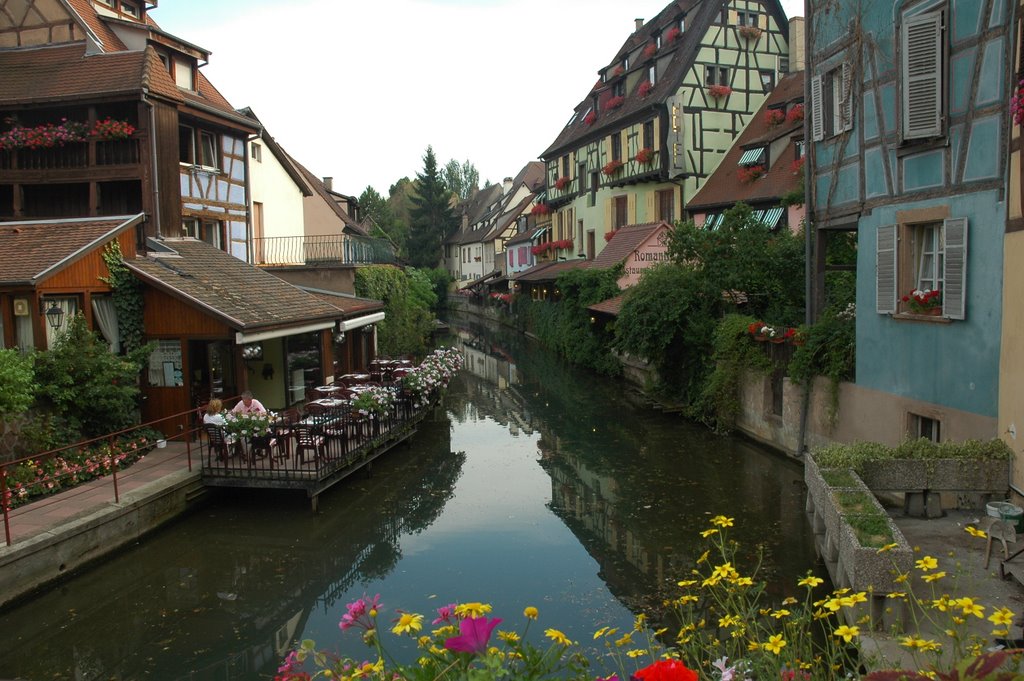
(661,116)
(908,123)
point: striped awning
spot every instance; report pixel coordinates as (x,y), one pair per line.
(713,221)
(752,157)
(769,218)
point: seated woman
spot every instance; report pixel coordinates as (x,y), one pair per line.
(214,413)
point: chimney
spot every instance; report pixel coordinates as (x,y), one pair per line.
(507,185)
(797,60)
(639,23)
(329,183)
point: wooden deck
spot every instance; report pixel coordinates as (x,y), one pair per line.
(346,443)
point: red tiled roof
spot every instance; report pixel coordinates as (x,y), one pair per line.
(612,306)
(108,39)
(317,185)
(243,296)
(67,73)
(548,271)
(523,237)
(624,241)
(350,306)
(45,247)
(724,188)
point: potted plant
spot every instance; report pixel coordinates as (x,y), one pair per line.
(614,102)
(650,50)
(719,91)
(773,117)
(562,183)
(645,155)
(541,209)
(795,113)
(749,32)
(589,118)
(110,129)
(748,174)
(611,167)
(644,89)
(672,34)
(926,302)
(1017,103)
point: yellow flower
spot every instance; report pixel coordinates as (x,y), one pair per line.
(743,581)
(558,637)
(934,577)
(635,653)
(683,600)
(624,640)
(508,636)
(721,521)
(775,644)
(703,557)
(941,604)
(424,641)
(530,612)
(686,582)
(974,531)
(860,597)
(847,633)
(834,604)
(472,610)
(728,621)
(408,623)
(888,547)
(926,563)
(779,614)
(638,621)
(1001,616)
(810,581)
(897,594)
(910,642)
(969,607)
(708,533)
(901,578)
(789,600)
(600,632)
(753,645)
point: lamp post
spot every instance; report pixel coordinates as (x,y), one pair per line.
(54,316)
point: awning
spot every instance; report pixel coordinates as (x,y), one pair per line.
(713,221)
(241,337)
(770,218)
(752,157)
(357,322)
(477,282)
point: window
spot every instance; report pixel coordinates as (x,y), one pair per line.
(616,147)
(767,80)
(922,75)
(798,150)
(757,156)
(666,205)
(565,166)
(746,18)
(783,64)
(649,134)
(716,75)
(70,306)
(657,41)
(922,426)
(183,75)
(831,103)
(208,150)
(130,9)
(210,231)
(619,89)
(928,255)
(621,214)
(257,153)
(652,74)
(186,144)
(581,175)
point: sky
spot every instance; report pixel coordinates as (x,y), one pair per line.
(357,90)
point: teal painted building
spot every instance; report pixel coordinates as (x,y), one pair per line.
(908,124)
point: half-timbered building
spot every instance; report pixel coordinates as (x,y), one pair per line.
(661,116)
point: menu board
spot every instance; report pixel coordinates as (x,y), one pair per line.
(165,368)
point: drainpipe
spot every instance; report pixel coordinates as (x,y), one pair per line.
(153,159)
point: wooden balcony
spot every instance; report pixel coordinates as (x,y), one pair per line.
(75,161)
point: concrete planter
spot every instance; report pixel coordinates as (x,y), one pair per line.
(938,475)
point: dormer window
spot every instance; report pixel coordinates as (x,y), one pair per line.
(619,89)
(746,18)
(131,9)
(657,41)
(651,74)
(184,75)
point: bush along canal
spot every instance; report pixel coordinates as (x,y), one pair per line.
(533,485)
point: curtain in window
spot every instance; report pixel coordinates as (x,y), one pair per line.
(105,316)
(70,308)
(23,334)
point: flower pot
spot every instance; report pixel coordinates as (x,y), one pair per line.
(778,340)
(933,312)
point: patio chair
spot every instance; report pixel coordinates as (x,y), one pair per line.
(308,438)
(219,441)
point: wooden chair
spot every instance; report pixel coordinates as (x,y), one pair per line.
(284,431)
(1003,530)
(308,438)
(219,441)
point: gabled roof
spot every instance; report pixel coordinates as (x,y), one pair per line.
(624,241)
(611,307)
(38,249)
(724,188)
(508,217)
(242,296)
(699,14)
(548,271)
(350,306)
(319,189)
(525,236)
(86,13)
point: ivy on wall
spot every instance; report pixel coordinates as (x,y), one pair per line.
(127,296)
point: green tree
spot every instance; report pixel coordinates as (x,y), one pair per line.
(377,211)
(18,382)
(87,388)
(462,178)
(432,217)
(408,297)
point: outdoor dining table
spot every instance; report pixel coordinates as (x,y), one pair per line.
(355,379)
(328,389)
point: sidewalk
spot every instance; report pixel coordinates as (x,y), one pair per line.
(49,513)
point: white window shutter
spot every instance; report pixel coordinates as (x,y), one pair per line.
(847,96)
(954,270)
(817,122)
(885,270)
(921,62)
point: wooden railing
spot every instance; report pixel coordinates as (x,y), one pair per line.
(72,156)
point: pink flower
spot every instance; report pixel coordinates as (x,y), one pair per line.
(474,636)
(361,613)
(445,614)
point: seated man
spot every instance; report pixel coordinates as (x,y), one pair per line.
(248,405)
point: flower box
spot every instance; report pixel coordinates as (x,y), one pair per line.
(541,209)
(589,118)
(618,71)
(562,183)
(795,113)
(650,50)
(672,34)
(644,89)
(1017,104)
(614,102)
(645,155)
(797,165)
(925,302)
(611,167)
(608,236)
(960,475)
(748,174)
(719,91)
(773,117)
(749,32)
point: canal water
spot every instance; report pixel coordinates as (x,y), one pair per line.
(534,484)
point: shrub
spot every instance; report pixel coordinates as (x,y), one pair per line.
(734,354)
(408,300)
(18,381)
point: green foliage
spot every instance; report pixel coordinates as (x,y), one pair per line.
(734,353)
(18,382)
(565,327)
(377,211)
(439,281)
(421,288)
(860,455)
(408,321)
(829,350)
(432,217)
(839,477)
(872,529)
(127,296)
(463,179)
(85,386)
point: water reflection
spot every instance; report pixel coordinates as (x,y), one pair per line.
(535,485)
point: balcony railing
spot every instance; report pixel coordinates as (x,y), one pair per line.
(334,249)
(71,156)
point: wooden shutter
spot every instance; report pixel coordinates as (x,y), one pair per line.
(885,270)
(954,269)
(847,96)
(609,215)
(921,63)
(651,206)
(631,208)
(817,120)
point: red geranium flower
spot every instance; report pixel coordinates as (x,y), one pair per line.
(666,670)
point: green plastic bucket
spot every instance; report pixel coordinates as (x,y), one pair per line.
(1006,511)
